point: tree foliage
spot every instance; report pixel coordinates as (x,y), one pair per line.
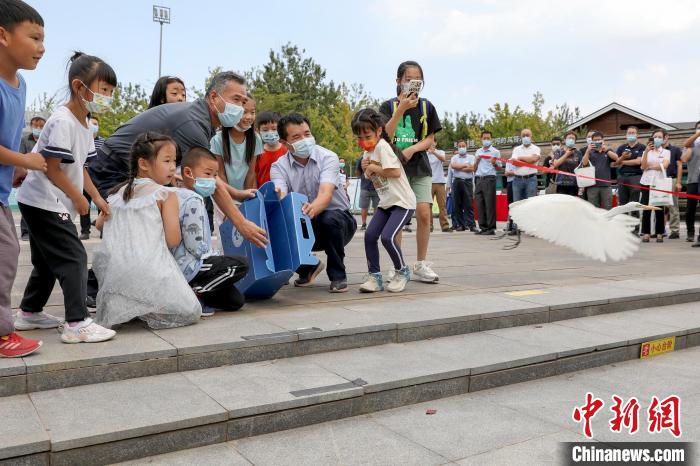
(128,101)
(505,121)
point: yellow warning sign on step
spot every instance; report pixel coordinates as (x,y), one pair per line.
(657,347)
(526,292)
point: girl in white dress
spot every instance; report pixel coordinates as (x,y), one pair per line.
(138,275)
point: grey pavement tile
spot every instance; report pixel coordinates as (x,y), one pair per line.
(223,331)
(630,326)
(120,410)
(330,319)
(545,450)
(463,426)
(566,341)
(21,431)
(250,389)
(356,441)
(221,454)
(132,343)
(12,366)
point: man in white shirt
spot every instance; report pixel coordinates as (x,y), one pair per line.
(436,157)
(525,180)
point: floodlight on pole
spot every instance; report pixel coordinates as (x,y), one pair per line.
(161,14)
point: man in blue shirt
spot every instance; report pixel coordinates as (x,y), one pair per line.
(463,187)
(485,187)
(314,171)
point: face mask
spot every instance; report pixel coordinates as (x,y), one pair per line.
(527,140)
(486,142)
(570,142)
(632,138)
(367,145)
(36,132)
(231,115)
(100,103)
(304,147)
(556,147)
(462,150)
(658,142)
(589,140)
(342,164)
(205,187)
(94,129)
(270,137)
(241,129)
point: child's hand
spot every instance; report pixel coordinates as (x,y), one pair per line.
(102,206)
(370,170)
(34,161)
(249,193)
(365,163)
(19,176)
(82,205)
(280,193)
(407,102)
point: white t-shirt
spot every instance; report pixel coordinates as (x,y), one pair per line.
(522,151)
(63,137)
(654,156)
(437,167)
(392,191)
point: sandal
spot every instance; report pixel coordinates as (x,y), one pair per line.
(659,238)
(645,239)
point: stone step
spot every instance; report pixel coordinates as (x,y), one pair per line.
(267,331)
(193,408)
(263,332)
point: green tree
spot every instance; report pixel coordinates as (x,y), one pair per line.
(129,100)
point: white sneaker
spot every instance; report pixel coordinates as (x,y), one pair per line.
(400,280)
(423,272)
(36,320)
(390,275)
(86,331)
(374,283)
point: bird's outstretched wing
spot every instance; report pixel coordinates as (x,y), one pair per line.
(576,224)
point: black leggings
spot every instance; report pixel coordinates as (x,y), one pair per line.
(214,283)
(646,217)
(386,224)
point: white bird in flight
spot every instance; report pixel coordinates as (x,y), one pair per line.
(578,225)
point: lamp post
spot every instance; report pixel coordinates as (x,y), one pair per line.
(161,14)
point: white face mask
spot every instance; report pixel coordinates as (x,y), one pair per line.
(304,147)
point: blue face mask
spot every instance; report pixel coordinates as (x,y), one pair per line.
(486,142)
(304,147)
(589,140)
(527,140)
(94,129)
(205,187)
(36,132)
(570,142)
(658,142)
(231,115)
(631,138)
(462,151)
(270,137)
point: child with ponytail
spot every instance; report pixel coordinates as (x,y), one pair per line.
(397,202)
(138,276)
(50,201)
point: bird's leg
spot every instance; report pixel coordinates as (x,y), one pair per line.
(515,244)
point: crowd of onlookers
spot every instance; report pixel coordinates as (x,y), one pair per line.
(622,174)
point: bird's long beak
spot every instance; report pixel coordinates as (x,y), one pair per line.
(651,207)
